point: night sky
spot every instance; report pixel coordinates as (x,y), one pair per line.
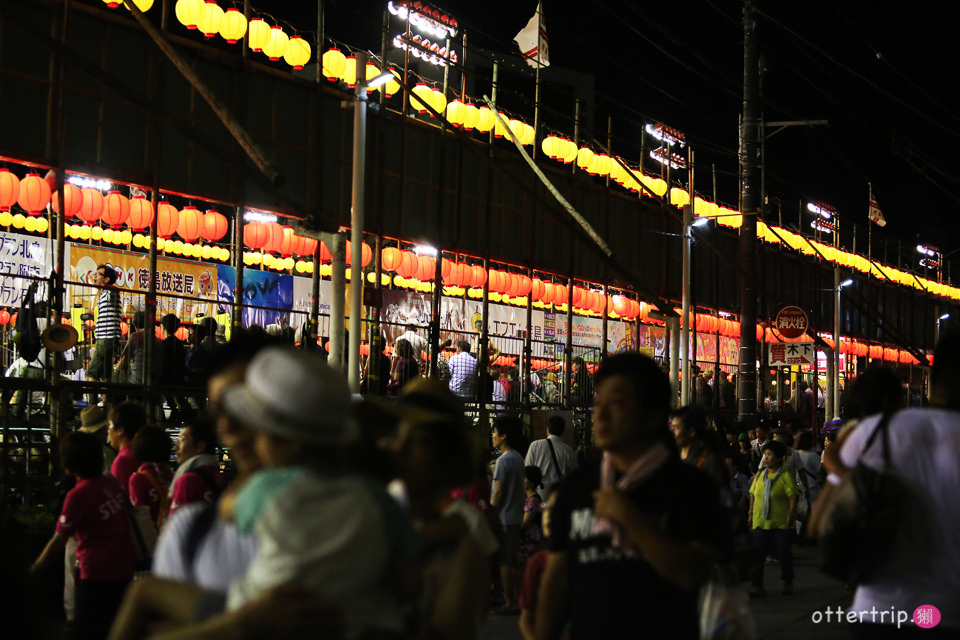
(880,73)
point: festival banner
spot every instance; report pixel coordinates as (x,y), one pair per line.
(22,255)
(268,297)
(190,286)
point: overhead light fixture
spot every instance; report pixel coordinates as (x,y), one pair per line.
(944,316)
(701,221)
(380,80)
(846,283)
(258,216)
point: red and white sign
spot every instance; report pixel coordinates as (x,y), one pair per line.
(791,322)
(785,354)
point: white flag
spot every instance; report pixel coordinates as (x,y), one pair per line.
(874,213)
(532,41)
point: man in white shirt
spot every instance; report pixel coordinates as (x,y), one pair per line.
(418,342)
(554,457)
(924,446)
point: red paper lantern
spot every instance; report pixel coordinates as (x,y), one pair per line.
(325,255)
(548,293)
(141,213)
(190,223)
(274,237)
(526,285)
(116,209)
(4,316)
(9,189)
(561,294)
(308,247)
(168,220)
(495,278)
(91,206)
(537,289)
(287,242)
(445,267)
(34,194)
(454,275)
(72,200)
(478,273)
(366,253)
(409,264)
(428,269)
(390,259)
(255,235)
(214,226)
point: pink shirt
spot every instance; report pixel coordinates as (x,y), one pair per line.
(124,466)
(193,487)
(144,493)
(95,512)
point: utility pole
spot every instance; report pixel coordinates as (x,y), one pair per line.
(747,250)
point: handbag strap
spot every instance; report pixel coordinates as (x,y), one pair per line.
(885,433)
(553,456)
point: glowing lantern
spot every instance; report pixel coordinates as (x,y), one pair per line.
(188,12)
(584,158)
(350,72)
(4,316)
(528,134)
(34,194)
(438,100)
(259,34)
(214,226)
(91,206)
(422,92)
(334,64)
(456,112)
(141,213)
(366,253)
(308,247)
(287,242)
(549,146)
(190,223)
(485,119)
(143,5)
(679,197)
(210,18)
(72,200)
(232,26)
(116,209)
(409,264)
(570,151)
(113,4)
(390,259)
(470,116)
(537,289)
(390,87)
(298,52)
(276,46)
(168,220)
(274,237)
(499,125)
(9,189)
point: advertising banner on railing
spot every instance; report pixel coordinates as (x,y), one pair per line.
(174,277)
(260,289)
(506,326)
(22,255)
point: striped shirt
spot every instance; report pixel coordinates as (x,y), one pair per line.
(108,315)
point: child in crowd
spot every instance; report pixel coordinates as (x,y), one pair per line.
(530,591)
(319,524)
(532,540)
(94,512)
(148,485)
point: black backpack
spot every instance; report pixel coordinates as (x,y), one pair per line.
(26,334)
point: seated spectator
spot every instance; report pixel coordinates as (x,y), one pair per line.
(198,477)
(530,591)
(405,366)
(148,486)
(94,512)
(126,419)
(334,532)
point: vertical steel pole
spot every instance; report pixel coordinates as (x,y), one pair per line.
(356,218)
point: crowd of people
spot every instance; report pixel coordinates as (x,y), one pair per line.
(393,518)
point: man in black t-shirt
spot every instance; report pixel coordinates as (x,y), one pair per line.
(632,541)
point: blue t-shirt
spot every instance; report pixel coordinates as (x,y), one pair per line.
(509,471)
